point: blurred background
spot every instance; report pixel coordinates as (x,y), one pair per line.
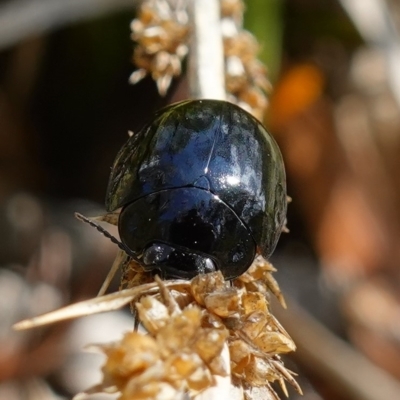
(65,109)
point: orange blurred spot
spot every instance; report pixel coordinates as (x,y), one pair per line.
(349,238)
(297,90)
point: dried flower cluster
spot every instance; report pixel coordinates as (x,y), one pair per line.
(179,356)
(161,32)
(187,330)
(245,76)
(255,337)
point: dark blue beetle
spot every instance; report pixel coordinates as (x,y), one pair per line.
(202,188)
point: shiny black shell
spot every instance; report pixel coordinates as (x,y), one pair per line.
(213,161)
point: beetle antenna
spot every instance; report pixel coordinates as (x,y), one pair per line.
(107,235)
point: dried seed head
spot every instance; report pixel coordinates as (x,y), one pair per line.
(160,32)
(246,78)
(187,329)
(202,285)
(179,354)
(233,9)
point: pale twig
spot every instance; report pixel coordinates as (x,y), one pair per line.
(109,302)
(20,19)
(113,270)
(206,56)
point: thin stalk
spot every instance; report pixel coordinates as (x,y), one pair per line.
(206,56)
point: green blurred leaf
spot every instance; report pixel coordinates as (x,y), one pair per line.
(264,19)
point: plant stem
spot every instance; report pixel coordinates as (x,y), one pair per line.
(206,56)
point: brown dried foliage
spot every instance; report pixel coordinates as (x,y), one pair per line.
(187,329)
(161,32)
(246,77)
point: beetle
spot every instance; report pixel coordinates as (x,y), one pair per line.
(201,188)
